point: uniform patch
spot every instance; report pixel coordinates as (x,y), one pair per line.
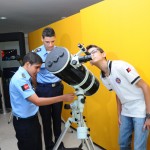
(118,80)
(23,75)
(25,87)
(128,70)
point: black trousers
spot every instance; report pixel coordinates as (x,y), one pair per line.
(51,113)
(28,133)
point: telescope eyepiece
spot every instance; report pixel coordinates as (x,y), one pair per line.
(85,58)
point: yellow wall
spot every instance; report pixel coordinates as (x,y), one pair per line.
(122,29)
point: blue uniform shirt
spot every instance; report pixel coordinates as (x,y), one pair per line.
(44,76)
(20,89)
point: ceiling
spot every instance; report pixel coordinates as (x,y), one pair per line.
(29,15)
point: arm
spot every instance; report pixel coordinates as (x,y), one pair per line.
(41,101)
(119,107)
(146,90)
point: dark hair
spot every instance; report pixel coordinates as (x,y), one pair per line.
(32,58)
(48,32)
(98,48)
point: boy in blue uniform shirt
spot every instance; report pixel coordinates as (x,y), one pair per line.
(25,103)
(49,85)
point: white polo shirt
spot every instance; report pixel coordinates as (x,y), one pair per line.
(122,79)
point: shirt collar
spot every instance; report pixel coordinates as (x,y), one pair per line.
(109,64)
(44,52)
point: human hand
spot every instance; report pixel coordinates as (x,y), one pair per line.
(146,125)
(119,121)
(68,97)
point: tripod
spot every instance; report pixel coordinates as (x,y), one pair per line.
(82,130)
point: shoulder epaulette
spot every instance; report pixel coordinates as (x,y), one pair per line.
(36,50)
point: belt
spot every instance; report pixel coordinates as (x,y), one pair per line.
(49,84)
(31,117)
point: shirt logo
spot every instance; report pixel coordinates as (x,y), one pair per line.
(118,80)
(128,70)
(25,87)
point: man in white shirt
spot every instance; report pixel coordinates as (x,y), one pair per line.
(132,95)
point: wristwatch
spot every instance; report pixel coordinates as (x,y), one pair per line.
(147,115)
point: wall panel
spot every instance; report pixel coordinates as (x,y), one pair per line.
(121,28)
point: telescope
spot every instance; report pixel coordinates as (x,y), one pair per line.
(70,68)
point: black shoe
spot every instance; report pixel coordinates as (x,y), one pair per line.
(50,147)
(61,146)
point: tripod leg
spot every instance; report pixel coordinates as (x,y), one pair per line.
(10,117)
(87,144)
(67,125)
(60,139)
(70,130)
(91,142)
(90,146)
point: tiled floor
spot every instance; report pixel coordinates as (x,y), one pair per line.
(9,142)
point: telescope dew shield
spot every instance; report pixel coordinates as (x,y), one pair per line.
(58,62)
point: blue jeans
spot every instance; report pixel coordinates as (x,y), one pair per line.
(127,127)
